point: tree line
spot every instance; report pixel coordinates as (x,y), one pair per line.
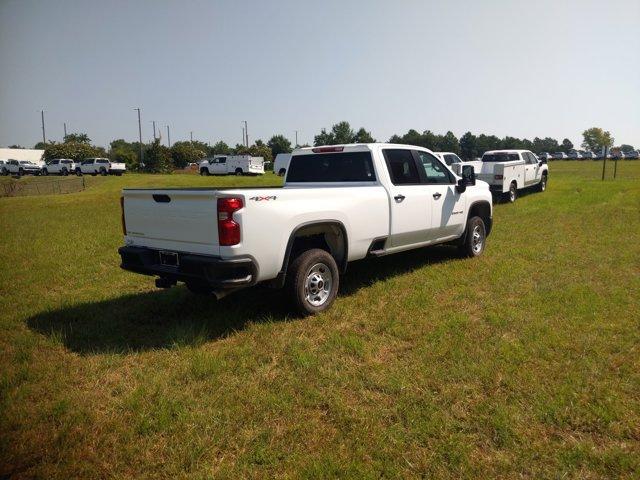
(160,158)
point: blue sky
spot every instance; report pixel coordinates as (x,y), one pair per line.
(520,68)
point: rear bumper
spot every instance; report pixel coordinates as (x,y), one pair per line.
(210,270)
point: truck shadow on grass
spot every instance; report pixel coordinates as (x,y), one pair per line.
(174,318)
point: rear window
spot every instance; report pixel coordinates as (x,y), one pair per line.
(500,157)
(332,167)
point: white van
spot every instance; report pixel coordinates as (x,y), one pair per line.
(232,164)
(281,163)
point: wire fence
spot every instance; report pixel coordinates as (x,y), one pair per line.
(40,186)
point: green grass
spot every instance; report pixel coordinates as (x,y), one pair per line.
(522,363)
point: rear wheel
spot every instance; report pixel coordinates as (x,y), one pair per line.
(204,172)
(45,172)
(65,172)
(542,186)
(238,171)
(78,172)
(103,171)
(282,172)
(313,281)
(512,194)
(475,238)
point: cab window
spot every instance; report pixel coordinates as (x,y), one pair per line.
(402,167)
(435,172)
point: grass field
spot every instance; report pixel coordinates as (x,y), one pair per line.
(522,363)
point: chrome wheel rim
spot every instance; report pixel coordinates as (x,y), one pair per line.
(318,284)
(512,194)
(544,183)
(477,239)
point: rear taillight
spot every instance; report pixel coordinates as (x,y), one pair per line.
(498,177)
(228,229)
(124,224)
(327,149)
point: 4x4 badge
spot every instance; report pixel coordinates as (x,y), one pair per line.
(261,199)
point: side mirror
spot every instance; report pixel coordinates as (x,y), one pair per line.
(468,178)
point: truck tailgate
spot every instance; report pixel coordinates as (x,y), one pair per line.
(172,219)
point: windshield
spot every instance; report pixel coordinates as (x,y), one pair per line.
(500,157)
(332,167)
(25,162)
(451,159)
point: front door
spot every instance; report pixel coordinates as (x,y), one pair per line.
(531,169)
(447,205)
(220,166)
(410,201)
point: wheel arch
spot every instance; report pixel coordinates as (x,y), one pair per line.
(330,235)
(482,209)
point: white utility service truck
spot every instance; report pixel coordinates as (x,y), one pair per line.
(338,204)
(232,165)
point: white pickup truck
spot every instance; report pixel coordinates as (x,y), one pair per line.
(507,171)
(59,166)
(338,204)
(102,166)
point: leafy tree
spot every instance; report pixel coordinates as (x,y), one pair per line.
(126,156)
(342,133)
(41,145)
(595,138)
(77,138)
(362,136)
(279,144)
(255,150)
(15,146)
(627,148)
(184,153)
(449,143)
(467,144)
(157,158)
(72,150)
(485,143)
(566,145)
(219,148)
(324,138)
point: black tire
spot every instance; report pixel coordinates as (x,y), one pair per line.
(512,194)
(239,172)
(474,238)
(204,172)
(65,172)
(310,271)
(199,288)
(78,172)
(20,172)
(282,172)
(103,172)
(45,172)
(5,172)
(542,186)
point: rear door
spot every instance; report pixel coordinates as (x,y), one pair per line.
(410,200)
(447,205)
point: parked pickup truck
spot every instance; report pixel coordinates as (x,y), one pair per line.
(102,166)
(232,164)
(22,167)
(507,171)
(338,204)
(59,166)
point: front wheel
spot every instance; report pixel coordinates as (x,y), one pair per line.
(103,172)
(204,172)
(313,281)
(475,238)
(542,186)
(45,172)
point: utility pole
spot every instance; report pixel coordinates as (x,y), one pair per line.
(244,140)
(191,136)
(154,130)
(65,130)
(140,137)
(296,138)
(44,137)
(246,132)
(168,137)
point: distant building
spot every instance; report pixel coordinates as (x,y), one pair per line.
(22,154)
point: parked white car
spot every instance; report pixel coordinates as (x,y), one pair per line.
(281,163)
(507,171)
(338,204)
(545,156)
(102,166)
(632,155)
(574,155)
(22,167)
(232,164)
(59,166)
(559,156)
(587,154)
(3,167)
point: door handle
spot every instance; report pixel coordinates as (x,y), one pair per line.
(399,198)
(437,195)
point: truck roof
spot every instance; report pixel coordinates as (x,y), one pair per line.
(353,147)
(505,151)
